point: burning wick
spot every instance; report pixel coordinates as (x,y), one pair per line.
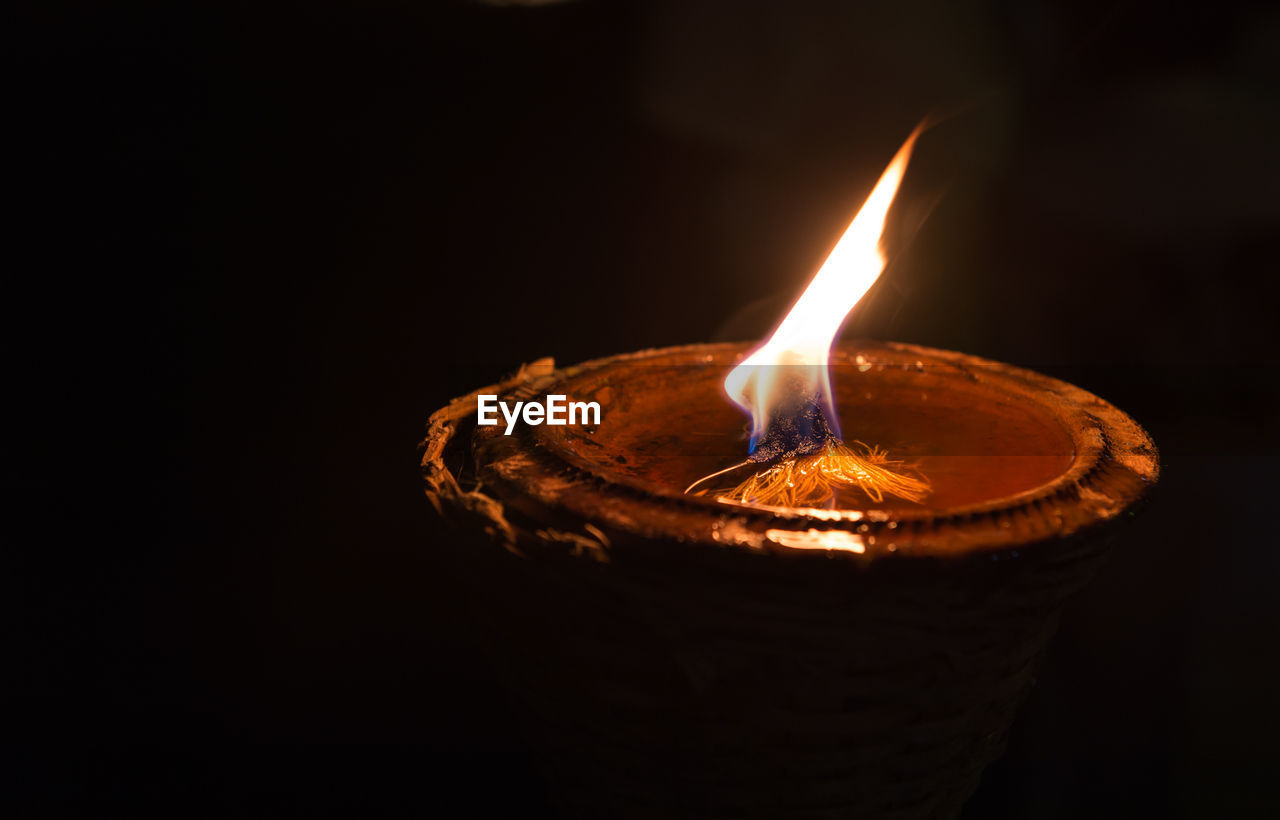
(785,387)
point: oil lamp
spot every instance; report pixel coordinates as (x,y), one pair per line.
(832,611)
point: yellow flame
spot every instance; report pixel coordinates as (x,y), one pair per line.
(803,340)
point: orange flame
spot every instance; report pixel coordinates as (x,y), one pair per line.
(802,342)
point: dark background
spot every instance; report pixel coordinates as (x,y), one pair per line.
(253,248)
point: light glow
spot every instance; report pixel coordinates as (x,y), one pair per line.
(801,345)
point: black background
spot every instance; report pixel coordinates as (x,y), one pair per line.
(253,248)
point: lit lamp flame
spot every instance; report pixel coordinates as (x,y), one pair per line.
(785,387)
(800,345)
